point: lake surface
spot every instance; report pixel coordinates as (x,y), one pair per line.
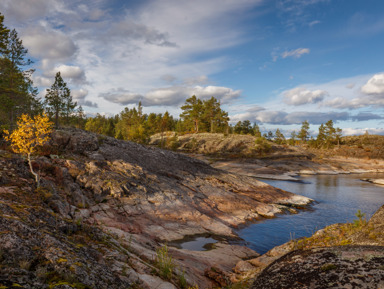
(338,197)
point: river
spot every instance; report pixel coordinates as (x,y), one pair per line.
(338,197)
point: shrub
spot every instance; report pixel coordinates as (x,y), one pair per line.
(164,262)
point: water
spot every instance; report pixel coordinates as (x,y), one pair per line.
(338,197)
(199,244)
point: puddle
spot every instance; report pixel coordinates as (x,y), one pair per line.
(195,243)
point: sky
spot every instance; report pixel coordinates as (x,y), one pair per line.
(273,62)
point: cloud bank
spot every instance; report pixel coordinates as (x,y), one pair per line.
(170,96)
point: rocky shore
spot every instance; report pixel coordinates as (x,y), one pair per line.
(106,207)
(240,154)
(107,210)
(289,168)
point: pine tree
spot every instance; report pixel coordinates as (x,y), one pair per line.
(80,118)
(292,140)
(17,94)
(321,136)
(279,137)
(338,135)
(270,136)
(330,132)
(303,134)
(213,118)
(238,128)
(192,112)
(58,100)
(4,32)
(256,130)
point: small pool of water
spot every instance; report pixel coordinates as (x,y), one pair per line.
(338,197)
(195,243)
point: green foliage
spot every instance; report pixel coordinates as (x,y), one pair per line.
(292,140)
(182,281)
(133,125)
(363,146)
(361,221)
(203,116)
(269,136)
(303,134)
(164,263)
(279,137)
(328,136)
(17,94)
(101,125)
(58,101)
(335,235)
(192,113)
(173,142)
(262,146)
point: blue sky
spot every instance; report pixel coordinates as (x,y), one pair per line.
(276,63)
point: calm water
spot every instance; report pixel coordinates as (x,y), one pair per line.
(338,197)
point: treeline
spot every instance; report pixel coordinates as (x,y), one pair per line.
(202,116)
(132,124)
(327,136)
(18,95)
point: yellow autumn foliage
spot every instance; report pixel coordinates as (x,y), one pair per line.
(30,133)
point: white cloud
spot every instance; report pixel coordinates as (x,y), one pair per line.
(363,116)
(315,117)
(368,91)
(168,78)
(170,96)
(202,79)
(297,53)
(80,95)
(26,9)
(301,96)
(285,118)
(72,73)
(361,131)
(375,85)
(312,23)
(48,44)
(350,85)
(295,13)
(138,31)
(41,81)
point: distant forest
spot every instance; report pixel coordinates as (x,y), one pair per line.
(18,96)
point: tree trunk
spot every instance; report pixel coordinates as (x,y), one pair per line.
(57,119)
(37,178)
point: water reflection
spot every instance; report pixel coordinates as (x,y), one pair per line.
(338,197)
(330,181)
(196,242)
